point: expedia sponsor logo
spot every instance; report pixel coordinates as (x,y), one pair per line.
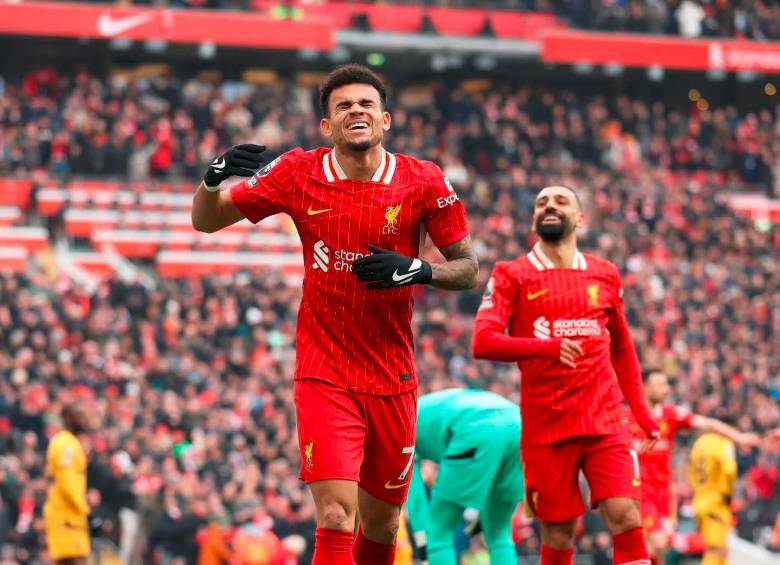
(444,201)
(581,327)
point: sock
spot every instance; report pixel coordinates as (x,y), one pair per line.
(332,547)
(629,547)
(367,552)
(552,556)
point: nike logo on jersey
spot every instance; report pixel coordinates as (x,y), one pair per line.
(537,294)
(414,268)
(313,212)
(391,486)
(219,164)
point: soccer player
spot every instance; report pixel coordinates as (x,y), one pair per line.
(361,212)
(657,504)
(712,471)
(474,436)
(65,513)
(568,333)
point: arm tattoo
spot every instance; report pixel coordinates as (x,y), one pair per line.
(460,270)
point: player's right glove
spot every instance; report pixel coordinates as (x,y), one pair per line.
(240,160)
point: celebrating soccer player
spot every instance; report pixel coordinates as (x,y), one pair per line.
(658,504)
(570,338)
(474,436)
(361,212)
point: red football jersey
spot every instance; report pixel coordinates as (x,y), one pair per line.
(355,338)
(656,464)
(585,303)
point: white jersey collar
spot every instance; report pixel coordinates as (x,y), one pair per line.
(334,171)
(542,262)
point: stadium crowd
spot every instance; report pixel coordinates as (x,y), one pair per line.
(751,19)
(189,383)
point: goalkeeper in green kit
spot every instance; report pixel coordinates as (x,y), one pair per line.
(474,436)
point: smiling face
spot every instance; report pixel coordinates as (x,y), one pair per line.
(356,119)
(557,213)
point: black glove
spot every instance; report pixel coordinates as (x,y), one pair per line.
(386,269)
(241,160)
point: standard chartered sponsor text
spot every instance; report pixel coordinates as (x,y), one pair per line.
(343,259)
(573,328)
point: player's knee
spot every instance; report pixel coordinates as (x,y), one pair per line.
(382,529)
(558,536)
(336,515)
(622,516)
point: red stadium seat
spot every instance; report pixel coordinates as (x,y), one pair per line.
(95,263)
(32,238)
(51,201)
(81,223)
(9,215)
(13,258)
(15,192)
(200,263)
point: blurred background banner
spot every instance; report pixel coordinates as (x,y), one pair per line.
(176,26)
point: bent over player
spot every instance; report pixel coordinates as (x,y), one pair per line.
(568,333)
(474,436)
(361,212)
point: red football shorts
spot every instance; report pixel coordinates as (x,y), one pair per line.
(657,513)
(358,437)
(552,471)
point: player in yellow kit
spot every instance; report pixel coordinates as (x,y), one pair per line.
(66,511)
(712,472)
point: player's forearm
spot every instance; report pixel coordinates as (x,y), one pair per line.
(205,210)
(490,342)
(704,424)
(461,269)
(629,375)
(458,274)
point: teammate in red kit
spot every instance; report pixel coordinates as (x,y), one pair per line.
(362,213)
(569,336)
(657,503)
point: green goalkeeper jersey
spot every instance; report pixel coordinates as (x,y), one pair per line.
(440,414)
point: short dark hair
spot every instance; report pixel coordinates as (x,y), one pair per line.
(651,371)
(350,74)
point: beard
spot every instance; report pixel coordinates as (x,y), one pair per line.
(552,233)
(360,146)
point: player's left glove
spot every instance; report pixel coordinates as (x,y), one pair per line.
(386,269)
